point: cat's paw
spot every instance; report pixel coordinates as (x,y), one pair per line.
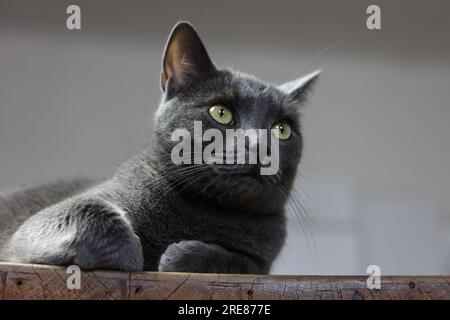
(90,233)
(123,253)
(190,256)
(106,240)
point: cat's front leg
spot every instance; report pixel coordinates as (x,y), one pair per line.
(197,256)
(90,233)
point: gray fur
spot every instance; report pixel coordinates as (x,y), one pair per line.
(154,215)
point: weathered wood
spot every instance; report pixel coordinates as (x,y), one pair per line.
(20,281)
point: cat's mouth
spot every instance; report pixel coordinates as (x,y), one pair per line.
(248,172)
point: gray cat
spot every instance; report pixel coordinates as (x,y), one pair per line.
(156,215)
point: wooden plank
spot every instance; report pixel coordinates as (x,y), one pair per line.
(20,281)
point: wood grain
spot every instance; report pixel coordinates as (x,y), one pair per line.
(20,281)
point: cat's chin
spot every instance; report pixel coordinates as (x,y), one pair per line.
(241,179)
(244,186)
(250,171)
(248,193)
(244,178)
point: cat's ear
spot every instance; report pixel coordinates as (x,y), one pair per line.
(185,59)
(297,89)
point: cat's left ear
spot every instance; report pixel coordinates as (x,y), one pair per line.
(185,59)
(297,89)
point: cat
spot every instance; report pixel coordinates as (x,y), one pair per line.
(155,215)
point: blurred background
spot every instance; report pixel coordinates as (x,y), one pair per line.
(375,176)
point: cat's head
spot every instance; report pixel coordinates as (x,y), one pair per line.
(194,89)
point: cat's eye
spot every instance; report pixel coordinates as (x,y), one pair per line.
(282,130)
(221,114)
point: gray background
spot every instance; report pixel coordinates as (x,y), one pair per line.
(375,173)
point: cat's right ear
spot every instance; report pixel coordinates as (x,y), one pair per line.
(297,89)
(185,59)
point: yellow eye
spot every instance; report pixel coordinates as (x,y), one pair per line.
(221,114)
(282,130)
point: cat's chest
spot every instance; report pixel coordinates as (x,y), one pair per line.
(191,222)
(172,221)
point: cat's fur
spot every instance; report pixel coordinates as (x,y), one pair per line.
(154,215)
